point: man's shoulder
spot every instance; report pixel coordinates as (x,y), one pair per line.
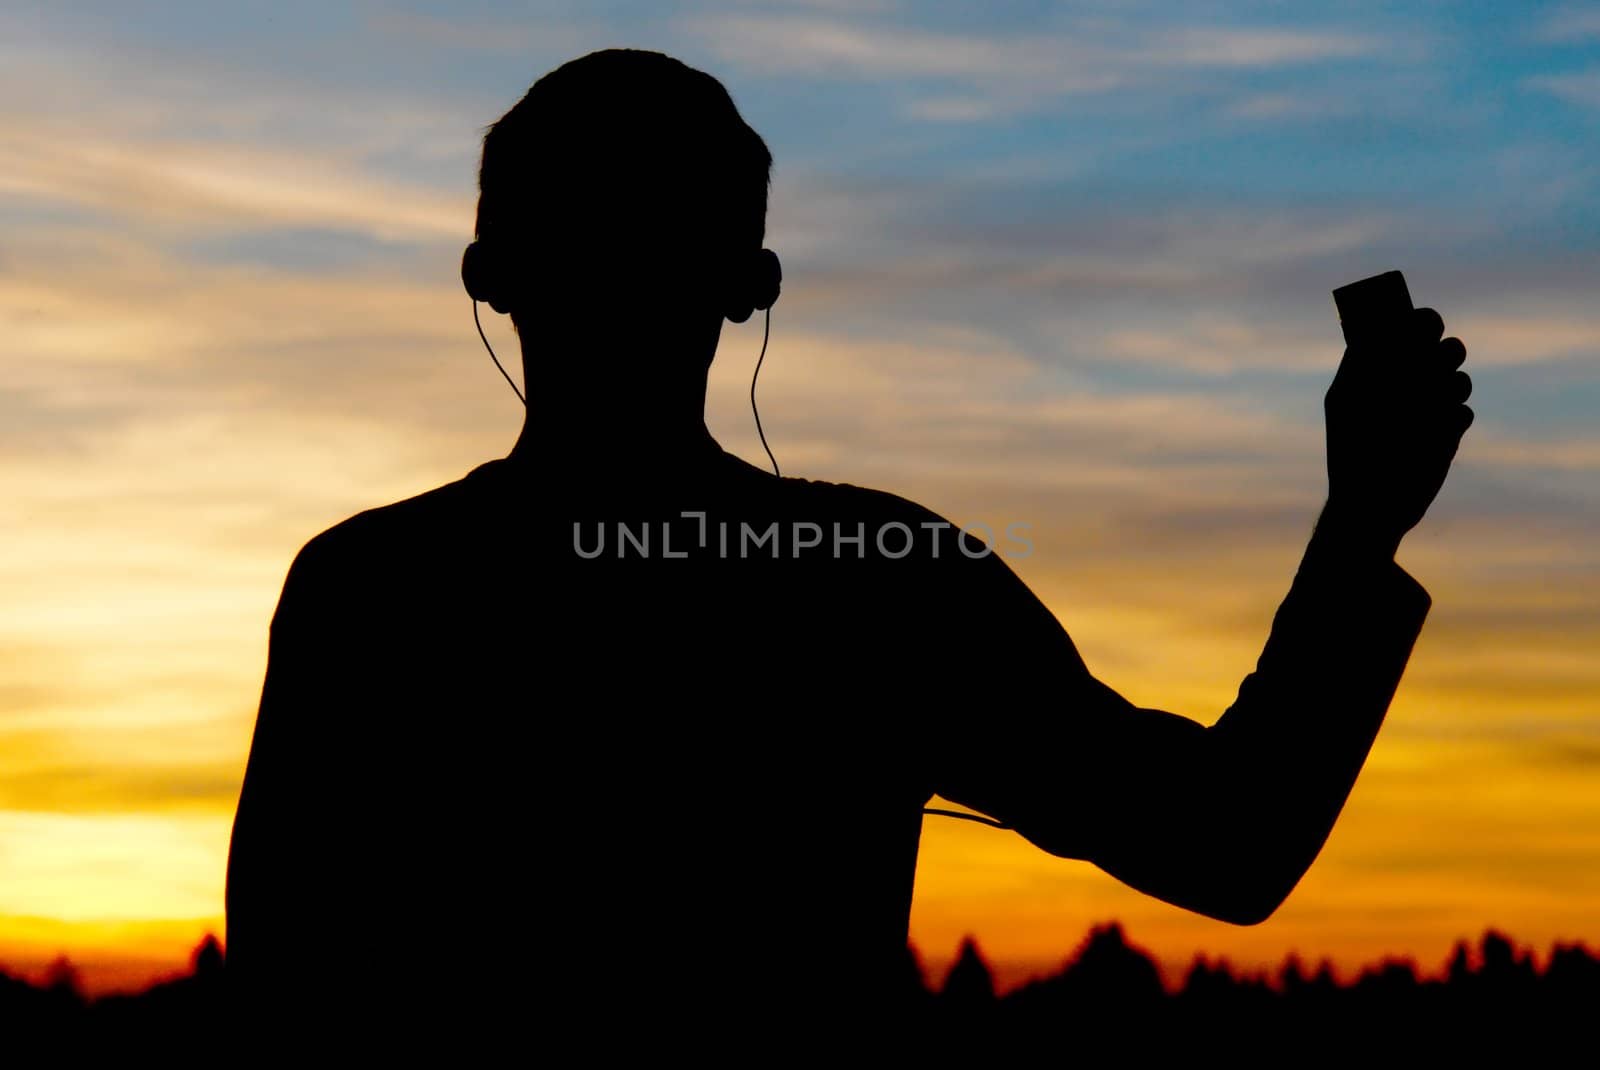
(854,500)
(406,526)
(887,524)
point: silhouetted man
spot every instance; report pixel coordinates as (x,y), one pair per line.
(622,729)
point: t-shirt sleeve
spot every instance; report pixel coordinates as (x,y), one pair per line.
(1017,727)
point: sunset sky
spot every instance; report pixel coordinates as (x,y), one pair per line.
(1060,264)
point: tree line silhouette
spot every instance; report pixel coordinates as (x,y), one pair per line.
(1108,992)
(1492,997)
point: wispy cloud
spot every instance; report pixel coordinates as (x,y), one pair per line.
(1246,46)
(470,33)
(815,46)
(1581,87)
(1569,24)
(199,185)
(1008,72)
(953,109)
(1531,454)
(1530,337)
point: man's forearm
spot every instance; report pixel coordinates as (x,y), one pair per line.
(1291,746)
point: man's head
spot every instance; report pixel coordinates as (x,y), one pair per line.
(624,184)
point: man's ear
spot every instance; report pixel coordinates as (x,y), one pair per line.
(756,282)
(483,275)
(766,279)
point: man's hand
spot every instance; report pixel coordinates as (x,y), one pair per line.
(1395,413)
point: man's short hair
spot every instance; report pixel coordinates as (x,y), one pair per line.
(625,145)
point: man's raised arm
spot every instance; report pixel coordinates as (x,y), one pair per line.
(1225,820)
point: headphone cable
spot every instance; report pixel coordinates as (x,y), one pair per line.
(479,324)
(979,818)
(765,333)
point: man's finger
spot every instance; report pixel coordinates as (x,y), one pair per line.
(1452,353)
(1429,325)
(1460,388)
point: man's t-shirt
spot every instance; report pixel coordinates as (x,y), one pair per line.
(530,750)
(512,730)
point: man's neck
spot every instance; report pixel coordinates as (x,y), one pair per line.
(639,419)
(601,449)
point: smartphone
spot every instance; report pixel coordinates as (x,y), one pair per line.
(1373,308)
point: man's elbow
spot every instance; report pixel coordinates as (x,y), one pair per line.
(1245,855)
(1246,892)
(1244,909)
(1225,878)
